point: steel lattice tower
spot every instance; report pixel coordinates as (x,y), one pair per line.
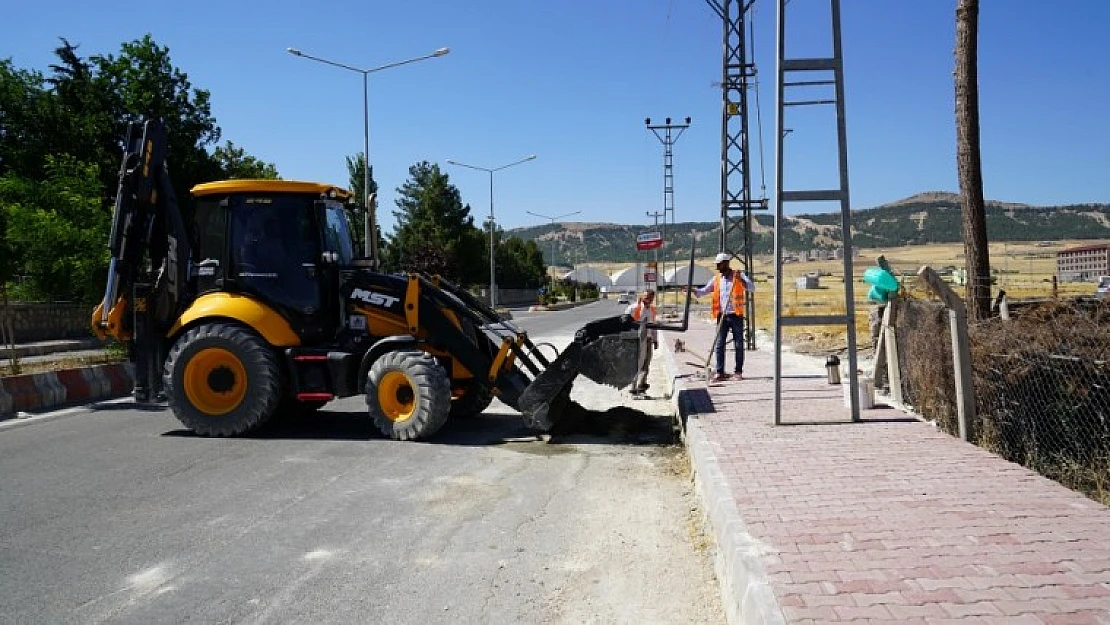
(667,136)
(737,205)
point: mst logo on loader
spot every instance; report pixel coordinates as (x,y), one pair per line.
(375,299)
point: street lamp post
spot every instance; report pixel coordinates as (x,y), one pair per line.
(371,226)
(552,218)
(492,257)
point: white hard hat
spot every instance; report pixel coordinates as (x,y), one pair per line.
(722,258)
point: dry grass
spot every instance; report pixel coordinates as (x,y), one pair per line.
(1025,272)
(1024,269)
(1040,383)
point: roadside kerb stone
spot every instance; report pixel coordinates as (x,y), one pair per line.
(746,593)
(5,401)
(99,384)
(24,394)
(44,391)
(50,389)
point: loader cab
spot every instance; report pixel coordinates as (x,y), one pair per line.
(279,242)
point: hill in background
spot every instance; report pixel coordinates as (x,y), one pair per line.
(932,217)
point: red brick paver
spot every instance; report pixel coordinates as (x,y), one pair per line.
(890,519)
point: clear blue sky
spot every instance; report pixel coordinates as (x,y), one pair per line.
(572,81)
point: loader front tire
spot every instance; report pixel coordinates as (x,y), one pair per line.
(408,395)
(222,380)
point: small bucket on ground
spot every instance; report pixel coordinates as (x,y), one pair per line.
(866,393)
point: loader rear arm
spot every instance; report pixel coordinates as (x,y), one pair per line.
(146,227)
(149,265)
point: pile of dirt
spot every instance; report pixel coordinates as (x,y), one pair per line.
(617,424)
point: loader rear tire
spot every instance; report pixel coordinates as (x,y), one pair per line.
(408,395)
(476,399)
(222,380)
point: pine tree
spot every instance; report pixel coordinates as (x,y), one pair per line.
(435,233)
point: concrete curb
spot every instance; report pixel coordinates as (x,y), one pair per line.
(43,348)
(745,589)
(562,306)
(55,389)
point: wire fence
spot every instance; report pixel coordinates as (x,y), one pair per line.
(1041,384)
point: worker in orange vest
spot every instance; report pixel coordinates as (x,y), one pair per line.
(643,313)
(728,291)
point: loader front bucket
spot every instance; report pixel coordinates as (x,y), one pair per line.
(605,351)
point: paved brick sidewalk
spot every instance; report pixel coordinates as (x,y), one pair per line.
(887,520)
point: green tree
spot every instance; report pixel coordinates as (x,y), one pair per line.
(85,127)
(56,230)
(28,118)
(141,83)
(435,232)
(519,264)
(235,163)
(61,139)
(356,208)
(83,107)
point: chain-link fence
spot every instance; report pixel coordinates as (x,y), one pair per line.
(1041,382)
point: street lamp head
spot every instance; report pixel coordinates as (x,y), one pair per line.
(294,51)
(531,157)
(441,51)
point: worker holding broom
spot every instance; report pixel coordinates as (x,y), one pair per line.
(728,294)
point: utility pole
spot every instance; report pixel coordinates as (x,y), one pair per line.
(585,256)
(492,223)
(667,136)
(577,278)
(657,215)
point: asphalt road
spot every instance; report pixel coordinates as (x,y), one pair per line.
(116,514)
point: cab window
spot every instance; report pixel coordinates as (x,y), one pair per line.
(337,233)
(211,220)
(274,249)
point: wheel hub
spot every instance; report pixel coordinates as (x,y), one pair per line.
(215,381)
(396,396)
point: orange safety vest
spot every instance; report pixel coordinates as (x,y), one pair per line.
(638,310)
(737,294)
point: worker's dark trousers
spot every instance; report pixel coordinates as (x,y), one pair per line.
(735,324)
(646,349)
(146,348)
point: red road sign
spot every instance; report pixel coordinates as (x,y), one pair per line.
(649,241)
(649,276)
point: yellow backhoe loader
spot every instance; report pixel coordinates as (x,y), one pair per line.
(250,300)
